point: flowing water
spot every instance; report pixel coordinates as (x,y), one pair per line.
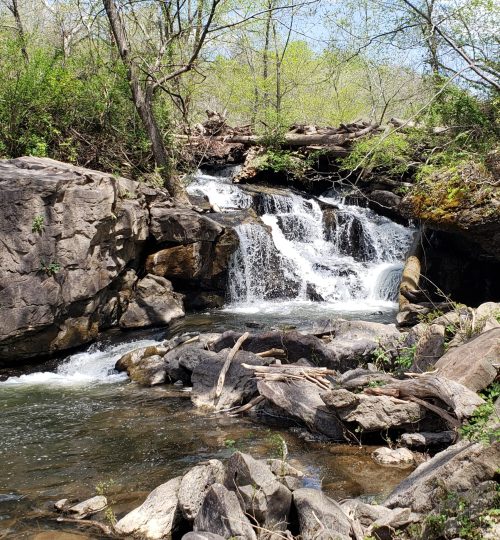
(78,423)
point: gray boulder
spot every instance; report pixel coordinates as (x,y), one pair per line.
(195,484)
(88,507)
(221,514)
(157,515)
(457,469)
(320,518)
(429,348)
(68,234)
(239,385)
(474,364)
(373,413)
(262,496)
(153,302)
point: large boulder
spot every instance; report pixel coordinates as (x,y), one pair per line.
(474,364)
(154,302)
(262,496)
(239,384)
(457,469)
(157,516)
(372,413)
(68,233)
(196,483)
(320,518)
(221,514)
(302,401)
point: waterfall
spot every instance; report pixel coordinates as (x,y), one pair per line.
(353,258)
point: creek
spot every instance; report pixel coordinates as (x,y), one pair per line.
(71,425)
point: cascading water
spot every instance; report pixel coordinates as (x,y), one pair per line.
(353,258)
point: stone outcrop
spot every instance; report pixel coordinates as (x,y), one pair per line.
(73,240)
(474,364)
(457,469)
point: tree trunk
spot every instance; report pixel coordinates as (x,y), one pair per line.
(14,9)
(143,101)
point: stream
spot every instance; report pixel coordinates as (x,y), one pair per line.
(72,425)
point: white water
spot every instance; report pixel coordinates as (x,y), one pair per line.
(355,265)
(94,366)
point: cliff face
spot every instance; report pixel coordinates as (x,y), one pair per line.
(73,241)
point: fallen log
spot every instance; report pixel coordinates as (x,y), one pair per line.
(457,397)
(315,375)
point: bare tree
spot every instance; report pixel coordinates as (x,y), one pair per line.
(147,75)
(13,7)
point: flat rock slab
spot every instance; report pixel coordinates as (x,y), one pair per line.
(157,515)
(89,507)
(474,364)
(320,518)
(457,469)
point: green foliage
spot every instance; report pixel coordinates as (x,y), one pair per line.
(398,358)
(280,161)
(229,443)
(50,269)
(279,448)
(482,426)
(37,225)
(390,153)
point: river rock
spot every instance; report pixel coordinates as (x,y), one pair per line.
(393,457)
(295,345)
(195,484)
(157,515)
(68,234)
(153,302)
(457,469)
(353,342)
(221,514)
(262,496)
(239,385)
(201,535)
(89,507)
(429,348)
(320,518)
(302,400)
(474,364)
(373,413)
(425,439)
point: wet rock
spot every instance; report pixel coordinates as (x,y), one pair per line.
(195,484)
(181,225)
(397,457)
(262,496)
(429,348)
(302,401)
(374,413)
(153,302)
(61,505)
(68,234)
(181,262)
(239,385)
(221,514)
(320,518)
(385,203)
(182,361)
(457,469)
(425,439)
(295,345)
(474,364)
(157,515)
(89,507)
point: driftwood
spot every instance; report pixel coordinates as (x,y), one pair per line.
(457,397)
(285,373)
(227,363)
(273,353)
